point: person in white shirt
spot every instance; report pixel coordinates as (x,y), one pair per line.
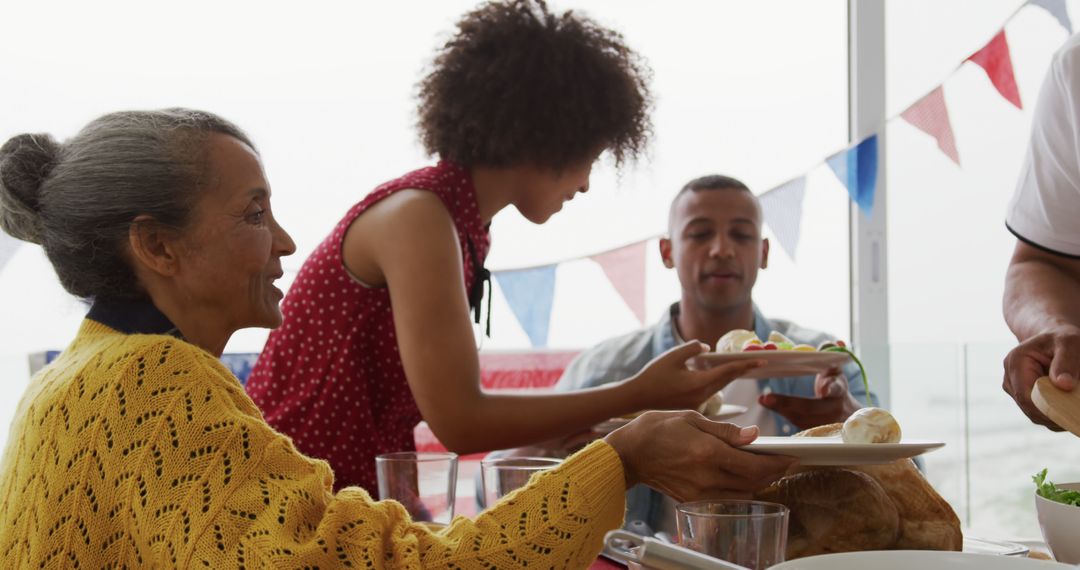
(1042,286)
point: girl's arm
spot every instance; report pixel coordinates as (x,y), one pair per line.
(408,242)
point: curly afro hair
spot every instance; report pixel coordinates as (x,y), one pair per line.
(517,84)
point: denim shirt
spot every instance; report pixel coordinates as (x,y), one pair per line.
(622,357)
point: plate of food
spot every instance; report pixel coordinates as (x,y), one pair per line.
(725,412)
(871,436)
(861,507)
(906,559)
(834,451)
(976,545)
(782,356)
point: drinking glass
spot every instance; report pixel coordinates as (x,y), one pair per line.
(423,482)
(748,533)
(502,475)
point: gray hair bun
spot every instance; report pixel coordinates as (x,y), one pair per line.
(25,162)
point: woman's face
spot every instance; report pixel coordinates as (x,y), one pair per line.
(233,248)
(543,191)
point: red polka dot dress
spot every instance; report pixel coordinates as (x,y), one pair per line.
(330,376)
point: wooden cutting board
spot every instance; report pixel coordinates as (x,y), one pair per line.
(1061,406)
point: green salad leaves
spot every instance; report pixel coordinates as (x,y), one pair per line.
(865,381)
(1048,490)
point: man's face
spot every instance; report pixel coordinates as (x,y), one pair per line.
(716,246)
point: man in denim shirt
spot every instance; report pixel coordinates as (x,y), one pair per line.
(716,247)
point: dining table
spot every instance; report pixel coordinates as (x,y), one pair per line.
(602,563)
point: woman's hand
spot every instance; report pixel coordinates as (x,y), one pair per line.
(688,457)
(667,384)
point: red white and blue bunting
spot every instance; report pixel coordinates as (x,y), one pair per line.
(529,292)
(855,166)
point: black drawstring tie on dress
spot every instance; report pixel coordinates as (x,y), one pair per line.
(476,291)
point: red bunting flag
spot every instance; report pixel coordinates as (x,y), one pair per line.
(931,116)
(995,59)
(625,268)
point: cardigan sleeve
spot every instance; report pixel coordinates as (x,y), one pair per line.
(223,489)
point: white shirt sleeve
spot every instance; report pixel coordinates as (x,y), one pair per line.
(1045,210)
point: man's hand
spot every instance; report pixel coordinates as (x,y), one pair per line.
(832,402)
(1055,353)
(1042,308)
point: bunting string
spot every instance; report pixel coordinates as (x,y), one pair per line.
(529,290)
(856,164)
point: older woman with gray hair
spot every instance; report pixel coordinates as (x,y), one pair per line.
(137,448)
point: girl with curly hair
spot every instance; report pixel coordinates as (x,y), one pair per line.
(518,105)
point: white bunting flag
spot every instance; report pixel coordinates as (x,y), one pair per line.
(8,247)
(782,208)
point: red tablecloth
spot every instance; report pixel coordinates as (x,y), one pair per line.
(605,564)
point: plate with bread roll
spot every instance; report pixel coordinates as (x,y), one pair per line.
(782,356)
(861,500)
(871,436)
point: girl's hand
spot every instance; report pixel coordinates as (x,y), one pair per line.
(667,384)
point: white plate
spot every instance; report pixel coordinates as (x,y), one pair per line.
(976,545)
(833,451)
(778,363)
(727,411)
(908,559)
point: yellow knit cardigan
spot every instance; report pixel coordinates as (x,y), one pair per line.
(143,451)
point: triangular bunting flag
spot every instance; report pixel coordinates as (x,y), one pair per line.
(995,59)
(8,245)
(625,268)
(931,116)
(530,292)
(782,208)
(1058,10)
(856,168)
